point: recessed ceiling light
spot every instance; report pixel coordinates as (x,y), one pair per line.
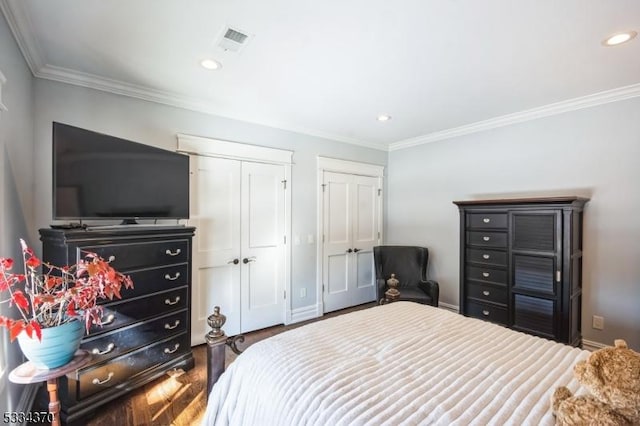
(210,64)
(619,38)
(384,117)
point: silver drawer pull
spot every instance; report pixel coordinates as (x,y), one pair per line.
(486,256)
(170,278)
(170,351)
(169,302)
(173,253)
(171,327)
(97,381)
(485,274)
(486,220)
(486,293)
(97,351)
(486,238)
(485,313)
(109,320)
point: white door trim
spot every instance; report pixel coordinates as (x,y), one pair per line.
(326,164)
(351,167)
(197,145)
(233,150)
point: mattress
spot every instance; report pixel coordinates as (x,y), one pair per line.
(396,364)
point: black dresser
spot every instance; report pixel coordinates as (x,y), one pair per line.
(521,264)
(147,332)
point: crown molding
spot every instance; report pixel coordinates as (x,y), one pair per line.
(582,102)
(17,16)
(77,78)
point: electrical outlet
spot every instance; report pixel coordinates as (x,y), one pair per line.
(303,292)
(598,322)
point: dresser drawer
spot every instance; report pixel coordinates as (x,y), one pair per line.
(122,313)
(491,275)
(157,279)
(487,239)
(486,220)
(487,257)
(487,293)
(111,345)
(129,256)
(487,312)
(125,368)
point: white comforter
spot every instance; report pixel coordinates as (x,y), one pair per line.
(396,364)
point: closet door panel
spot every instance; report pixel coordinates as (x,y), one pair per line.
(262,246)
(215,212)
(338,245)
(365,236)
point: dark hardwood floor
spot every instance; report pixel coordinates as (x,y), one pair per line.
(180,400)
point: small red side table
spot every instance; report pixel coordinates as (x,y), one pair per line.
(27,373)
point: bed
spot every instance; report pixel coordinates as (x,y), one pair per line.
(400,363)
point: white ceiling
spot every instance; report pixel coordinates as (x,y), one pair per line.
(328,68)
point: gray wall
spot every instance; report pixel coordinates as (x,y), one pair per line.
(16,180)
(593,152)
(156,124)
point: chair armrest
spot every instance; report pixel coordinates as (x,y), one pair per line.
(432,288)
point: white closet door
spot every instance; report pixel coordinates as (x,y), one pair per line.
(262,247)
(351,229)
(365,235)
(215,212)
(337,257)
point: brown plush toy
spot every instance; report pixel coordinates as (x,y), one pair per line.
(612,375)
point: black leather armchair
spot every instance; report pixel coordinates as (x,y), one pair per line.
(409,263)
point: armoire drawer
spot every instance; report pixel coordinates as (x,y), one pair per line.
(130,255)
(487,220)
(487,239)
(126,339)
(121,313)
(487,257)
(487,312)
(487,293)
(486,274)
(124,368)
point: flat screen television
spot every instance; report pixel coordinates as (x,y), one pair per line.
(97,176)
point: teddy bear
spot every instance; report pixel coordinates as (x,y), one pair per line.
(612,376)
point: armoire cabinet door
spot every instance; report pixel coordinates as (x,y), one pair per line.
(536,245)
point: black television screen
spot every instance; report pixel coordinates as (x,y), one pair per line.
(96,176)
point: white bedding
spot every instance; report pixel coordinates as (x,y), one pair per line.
(400,363)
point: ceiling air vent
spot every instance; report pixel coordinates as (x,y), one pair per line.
(233,39)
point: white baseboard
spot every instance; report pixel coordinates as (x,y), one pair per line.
(305,313)
(590,345)
(448,307)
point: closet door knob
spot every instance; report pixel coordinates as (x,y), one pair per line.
(349,251)
(234,261)
(356,250)
(248,259)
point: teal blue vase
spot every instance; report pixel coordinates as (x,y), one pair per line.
(56,348)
